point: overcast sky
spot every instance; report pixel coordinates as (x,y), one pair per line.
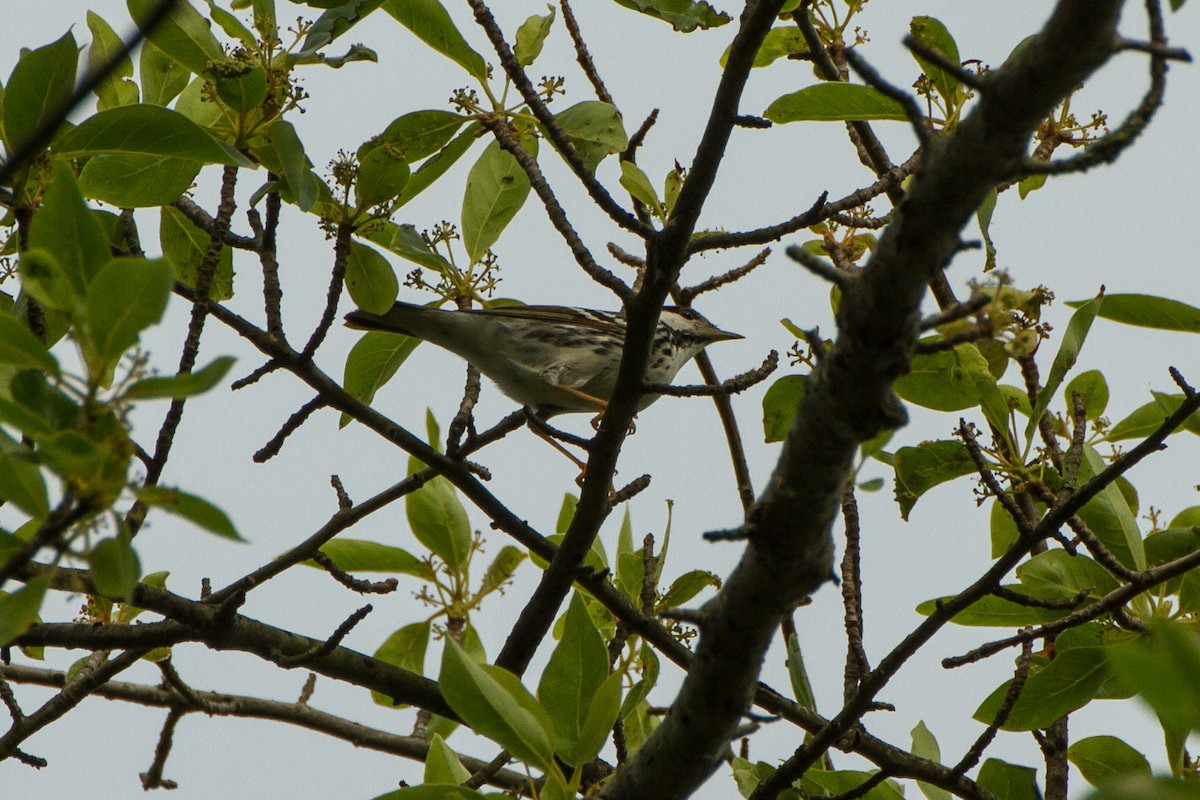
(1128,227)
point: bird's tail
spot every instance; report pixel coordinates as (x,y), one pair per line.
(400,318)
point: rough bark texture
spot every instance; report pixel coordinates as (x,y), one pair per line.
(849,397)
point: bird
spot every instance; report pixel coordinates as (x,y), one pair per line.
(551,359)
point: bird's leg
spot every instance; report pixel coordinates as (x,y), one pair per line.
(600,404)
(552,435)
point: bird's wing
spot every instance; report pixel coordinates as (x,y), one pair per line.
(561,315)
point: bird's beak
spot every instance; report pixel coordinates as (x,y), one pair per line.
(718,335)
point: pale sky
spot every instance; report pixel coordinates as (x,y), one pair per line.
(1127,227)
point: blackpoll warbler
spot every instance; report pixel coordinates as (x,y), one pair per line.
(551,358)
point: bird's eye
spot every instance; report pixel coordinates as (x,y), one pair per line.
(687,313)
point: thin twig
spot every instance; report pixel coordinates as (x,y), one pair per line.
(975,751)
(329,645)
(686,295)
(205,274)
(554,211)
(857,664)
(818,266)
(290,426)
(554,131)
(337,282)
(916,118)
(734,385)
(939,59)
(582,55)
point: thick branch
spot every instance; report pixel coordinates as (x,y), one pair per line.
(847,400)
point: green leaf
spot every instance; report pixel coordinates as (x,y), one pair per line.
(636,182)
(241,87)
(442,764)
(115,568)
(1148,311)
(116,89)
(566,513)
(779,406)
(127,296)
(44,280)
(184,246)
(38,88)
(194,104)
(1186,518)
(163,78)
(1161,665)
(417,134)
(920,468)
(596,130)
(500,570)
(437,165)
(184,35)
(20,348)
(297,169)
(933,34)
(370,279)
(820,782)
(1109,516)
(602,713)
(778,43)
(925,745)
(983,216)
(430,22)
(1146,419)
(404,648)
(834,101)
(798,675)
(994,612)
(85,463)
(190,507)
(372,362)
(496,190)
(21,483)
(439,521)
(1031,184)
(150,131)
(1058,575)
(1008,781)
(25,420)
(31,389)
(495,704)
(1070,681)
(1093,391)
(382,173)
(641,689)
(19,610)
(531,36)
(406,242)
(1002,530)
(684,16)
(1146,787)
(953,380)
(435,791)
(340,17)
(134,180)
(1104,759)
(1068,351)
(187,384)
(362,555)
(577,668)
(687,586)
(232,26)
(66,227)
